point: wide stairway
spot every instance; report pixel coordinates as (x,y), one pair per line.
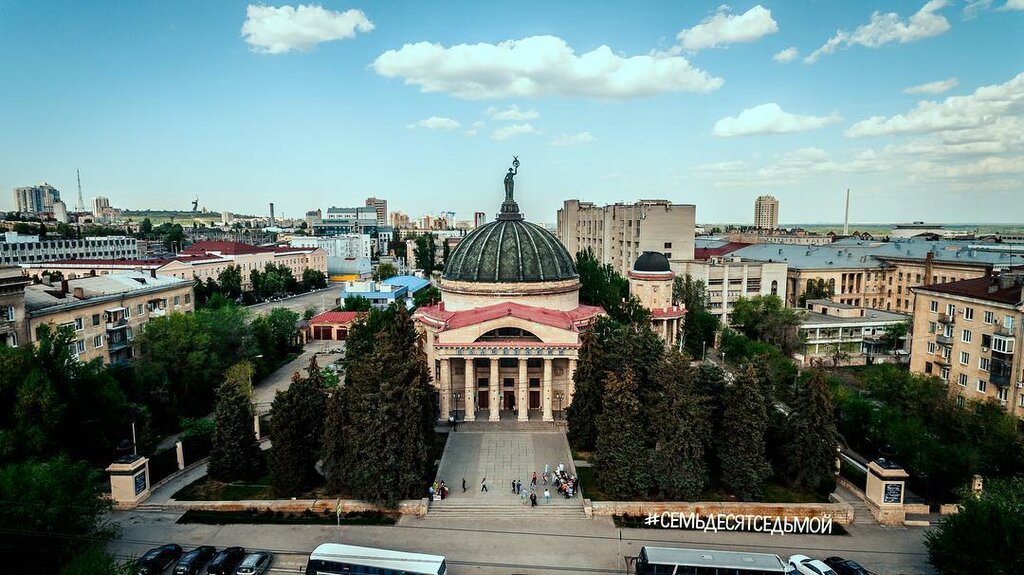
(509,425)
(485,509)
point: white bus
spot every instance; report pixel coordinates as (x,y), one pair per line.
(335,559)
(671,561)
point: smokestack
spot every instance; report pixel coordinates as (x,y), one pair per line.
(271,214)
(846,218)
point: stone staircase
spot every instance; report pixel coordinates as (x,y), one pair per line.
(510,425)
(477,509)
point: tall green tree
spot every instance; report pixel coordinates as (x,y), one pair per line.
(817,288)
(426,296)
(766,319)
(985,535)
(335,450)
(813,438)
(297,424)
(699,329)
(425,253)
(282,322)
(384,271)
(741,452)
(234,454)
(621,458)
(356,303)
(691,293)
(313,279)
(683,428)
(588,396)
(230,281)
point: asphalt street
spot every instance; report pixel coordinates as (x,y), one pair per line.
(320,300)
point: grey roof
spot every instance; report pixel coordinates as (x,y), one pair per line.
(98,288)
(708,242)
(870,316)
(852,253)
(508,251)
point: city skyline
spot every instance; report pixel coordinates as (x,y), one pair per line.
(311,106)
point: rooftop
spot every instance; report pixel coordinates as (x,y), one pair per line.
(863,254)
(984,288)
(870,316)
(413,283)
(336,317)
(42,296)
(560,319)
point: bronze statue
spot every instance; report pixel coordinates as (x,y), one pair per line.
(509,183)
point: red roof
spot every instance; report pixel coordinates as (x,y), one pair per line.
(707,253)
(555,318)
(343,317)
(669,312)
(229,248)
(983,288)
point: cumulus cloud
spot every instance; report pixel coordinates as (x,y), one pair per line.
(1012,5)
(277,30)
(972,7)
(572,139)
(512,114)
(787,55)
(436,123)
(936,87)
(539,66)
(726,28)
(983,107)
(770,118)
(887,28)
(513,130)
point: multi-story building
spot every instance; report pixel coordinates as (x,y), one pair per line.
(107,312)
(777,236)
(13,327)
(828,327)
(729,278)
(35,199)
(99,205)
(341,221)
(766,213)
(619,233)
(346,255)
(312,218)
(399,220)
(17,249)
(381,208)
(969,334)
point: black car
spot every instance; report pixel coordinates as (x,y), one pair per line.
(157,559)
(225,561)
(191,562)
(845,566)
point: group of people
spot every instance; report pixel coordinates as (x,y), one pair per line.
(560,480)
(565,483)
(438,490)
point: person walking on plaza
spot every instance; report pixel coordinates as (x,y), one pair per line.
(519,486)
(463,484)
(533,480)
(513,486)
(533,500)
(522,497)
(547,496)
(483,485)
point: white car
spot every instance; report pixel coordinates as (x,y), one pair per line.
(807,566)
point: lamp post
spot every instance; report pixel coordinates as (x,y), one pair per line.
(560,397)
(457,397)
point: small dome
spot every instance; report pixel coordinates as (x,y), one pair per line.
(651,262)
(509,251)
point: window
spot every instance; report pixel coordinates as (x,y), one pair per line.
(79,324)
(1002,345)
(177,300)
(80,346)
(969,313)
(97,342)
(962,380)
(127,313)
(965,358)
(138,309)
(188,296)
(95,319)
(948,331)
(966,336)
(950,309)
(668,245)
(1001,393)
(960,400)
(931,327)
(1008,322)
(982,386)
(931,347)
(934,306)
(989,317)
(984,363)
(944,373)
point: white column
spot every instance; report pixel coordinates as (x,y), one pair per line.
(523,397)
(494,391)
(570,385)
(470,400)
(548,415)
(446,388)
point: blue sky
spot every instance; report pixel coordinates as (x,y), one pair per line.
(425,103)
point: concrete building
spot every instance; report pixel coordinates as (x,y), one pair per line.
(398,289)
(313,217)
(331,325)
(30,250)
(380,207)
(342,221)
(13,324)
(728,278)
(777,236)
(914,229)
(60,211)
(969,333)
(399,220)
(766,213)
(341,251)
(99,205)
(651,280)
(107,312)
(619,233)
(32,200)
(828,327)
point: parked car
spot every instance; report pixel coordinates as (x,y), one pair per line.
(807,566)
(225,561)
(192,562)
(845,566)
(254,564)
(157,559)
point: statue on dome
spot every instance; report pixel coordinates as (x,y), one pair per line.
(509,183)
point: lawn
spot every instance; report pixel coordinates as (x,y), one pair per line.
(773,492)
(206,489)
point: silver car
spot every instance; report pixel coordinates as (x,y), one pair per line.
(254,564)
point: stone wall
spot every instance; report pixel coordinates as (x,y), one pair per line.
(841,513)
(406,507)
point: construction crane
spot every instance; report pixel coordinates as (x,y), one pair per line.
(195,204)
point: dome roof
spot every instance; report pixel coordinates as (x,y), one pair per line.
(651,262)
(509,250)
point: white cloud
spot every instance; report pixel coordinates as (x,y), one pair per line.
(513,130)
(983,107)
(436,123)
(1012,5)
(470,133)
(572,139)
(936,87)
(725,28)
(887,28)
(972,7)
(479,124)
(787,55)
(277,30)
(770,118)
(539,66)
(512,114)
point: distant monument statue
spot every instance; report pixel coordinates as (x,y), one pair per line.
(509,182)
(509,208)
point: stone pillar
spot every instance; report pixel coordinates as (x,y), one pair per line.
(470,389)
(523,397)
(179,451)
(256,425)
(548,415)
(570,384)
(446,388)
(884,491)
(129,480)
(494,392)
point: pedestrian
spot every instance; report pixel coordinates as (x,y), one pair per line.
(483,485)
(522,498)
(533,480)
(513,486)
(519,486)
(544,477)
(533,500)
(463,484)
(546,470)
(547,496)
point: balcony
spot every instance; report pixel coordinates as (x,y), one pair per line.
(117,324)
(999,372)
(1002,330)
(943,339)
(947,319)
(118,345)
(157,312)
(939,360)
(6,325)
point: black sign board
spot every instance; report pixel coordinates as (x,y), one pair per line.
(140,482)
(893,493)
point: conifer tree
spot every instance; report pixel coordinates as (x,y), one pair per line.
(683,426)
(581,415)
(811,450)
(297,422)
(744,424)
(335,450)
(234,453)
(621,458)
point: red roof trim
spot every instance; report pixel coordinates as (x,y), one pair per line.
(560,319)
(336,317)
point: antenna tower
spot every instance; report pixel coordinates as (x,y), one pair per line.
(81,203)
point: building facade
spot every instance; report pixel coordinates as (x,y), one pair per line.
(29,250)
(651,280)
(13,324)
(380,207)
(728,278)
(766,213)
(35,199)
(969,334)
(828,327)
(341,251)
(619,233)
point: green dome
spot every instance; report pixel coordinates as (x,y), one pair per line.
(509,250)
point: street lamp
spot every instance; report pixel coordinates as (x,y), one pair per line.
(560,397)
(457,397)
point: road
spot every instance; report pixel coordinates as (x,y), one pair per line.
(320,300)
(518,546)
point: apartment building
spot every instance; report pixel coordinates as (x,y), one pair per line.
(18,249)
(380,207)
(827,327)
(766,213)
(346,255)
(33,200)
(969,334)
(13,328)
(729,278)
(106,312)
(619,233)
